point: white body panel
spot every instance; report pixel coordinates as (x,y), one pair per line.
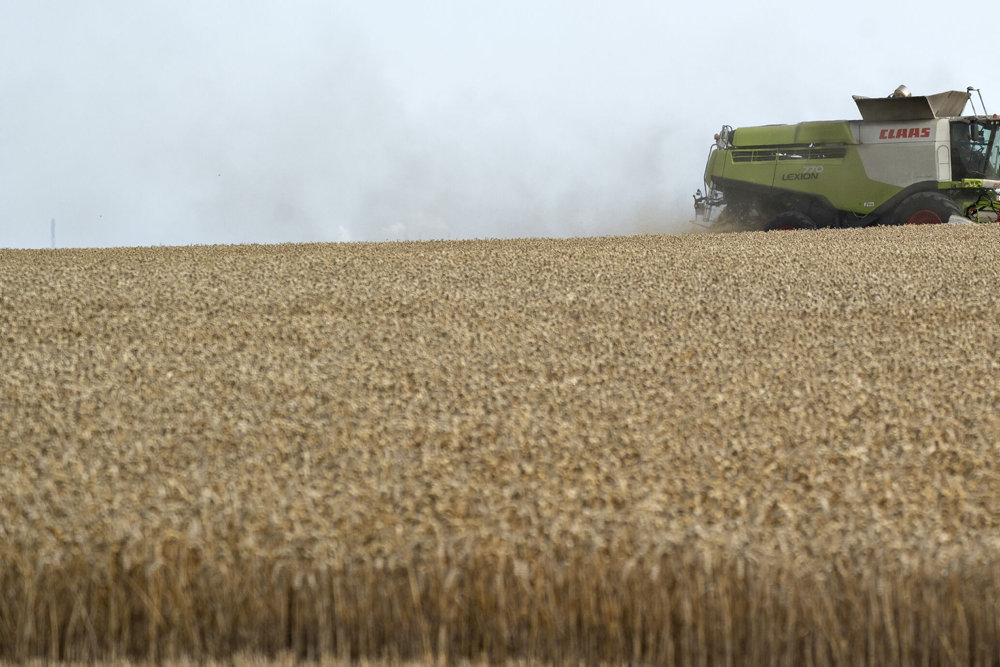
(902,153)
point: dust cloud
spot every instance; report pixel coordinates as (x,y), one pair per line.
(147,126)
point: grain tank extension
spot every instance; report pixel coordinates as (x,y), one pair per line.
(910,160)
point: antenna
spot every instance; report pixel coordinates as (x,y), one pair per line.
(53,228)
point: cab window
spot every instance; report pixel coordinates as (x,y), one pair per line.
(975,152)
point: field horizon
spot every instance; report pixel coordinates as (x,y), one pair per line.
(714,448)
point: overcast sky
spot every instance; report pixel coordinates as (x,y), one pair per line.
(147,122)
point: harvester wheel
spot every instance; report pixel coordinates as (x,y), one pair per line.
(790,220)
(926,208)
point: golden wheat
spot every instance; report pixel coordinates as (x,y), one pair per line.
(711,448)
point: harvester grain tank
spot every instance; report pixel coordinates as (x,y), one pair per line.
(909,160)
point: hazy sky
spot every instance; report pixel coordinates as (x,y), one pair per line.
(146,122)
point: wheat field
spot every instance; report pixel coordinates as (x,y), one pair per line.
(752,448)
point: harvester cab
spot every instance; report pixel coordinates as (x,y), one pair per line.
(909,160)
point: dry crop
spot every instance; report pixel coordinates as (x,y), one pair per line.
(721,449)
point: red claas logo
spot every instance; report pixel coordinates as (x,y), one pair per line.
(905,133)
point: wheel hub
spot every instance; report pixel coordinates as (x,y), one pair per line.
(924,217)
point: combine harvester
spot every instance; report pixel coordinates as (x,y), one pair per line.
(910,160)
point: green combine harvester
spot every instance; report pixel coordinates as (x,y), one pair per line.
(910,160)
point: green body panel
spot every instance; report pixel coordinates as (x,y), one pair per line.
(765,135)
(841,180)
(822,132)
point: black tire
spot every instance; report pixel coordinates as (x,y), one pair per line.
(925,208)
(790,220)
